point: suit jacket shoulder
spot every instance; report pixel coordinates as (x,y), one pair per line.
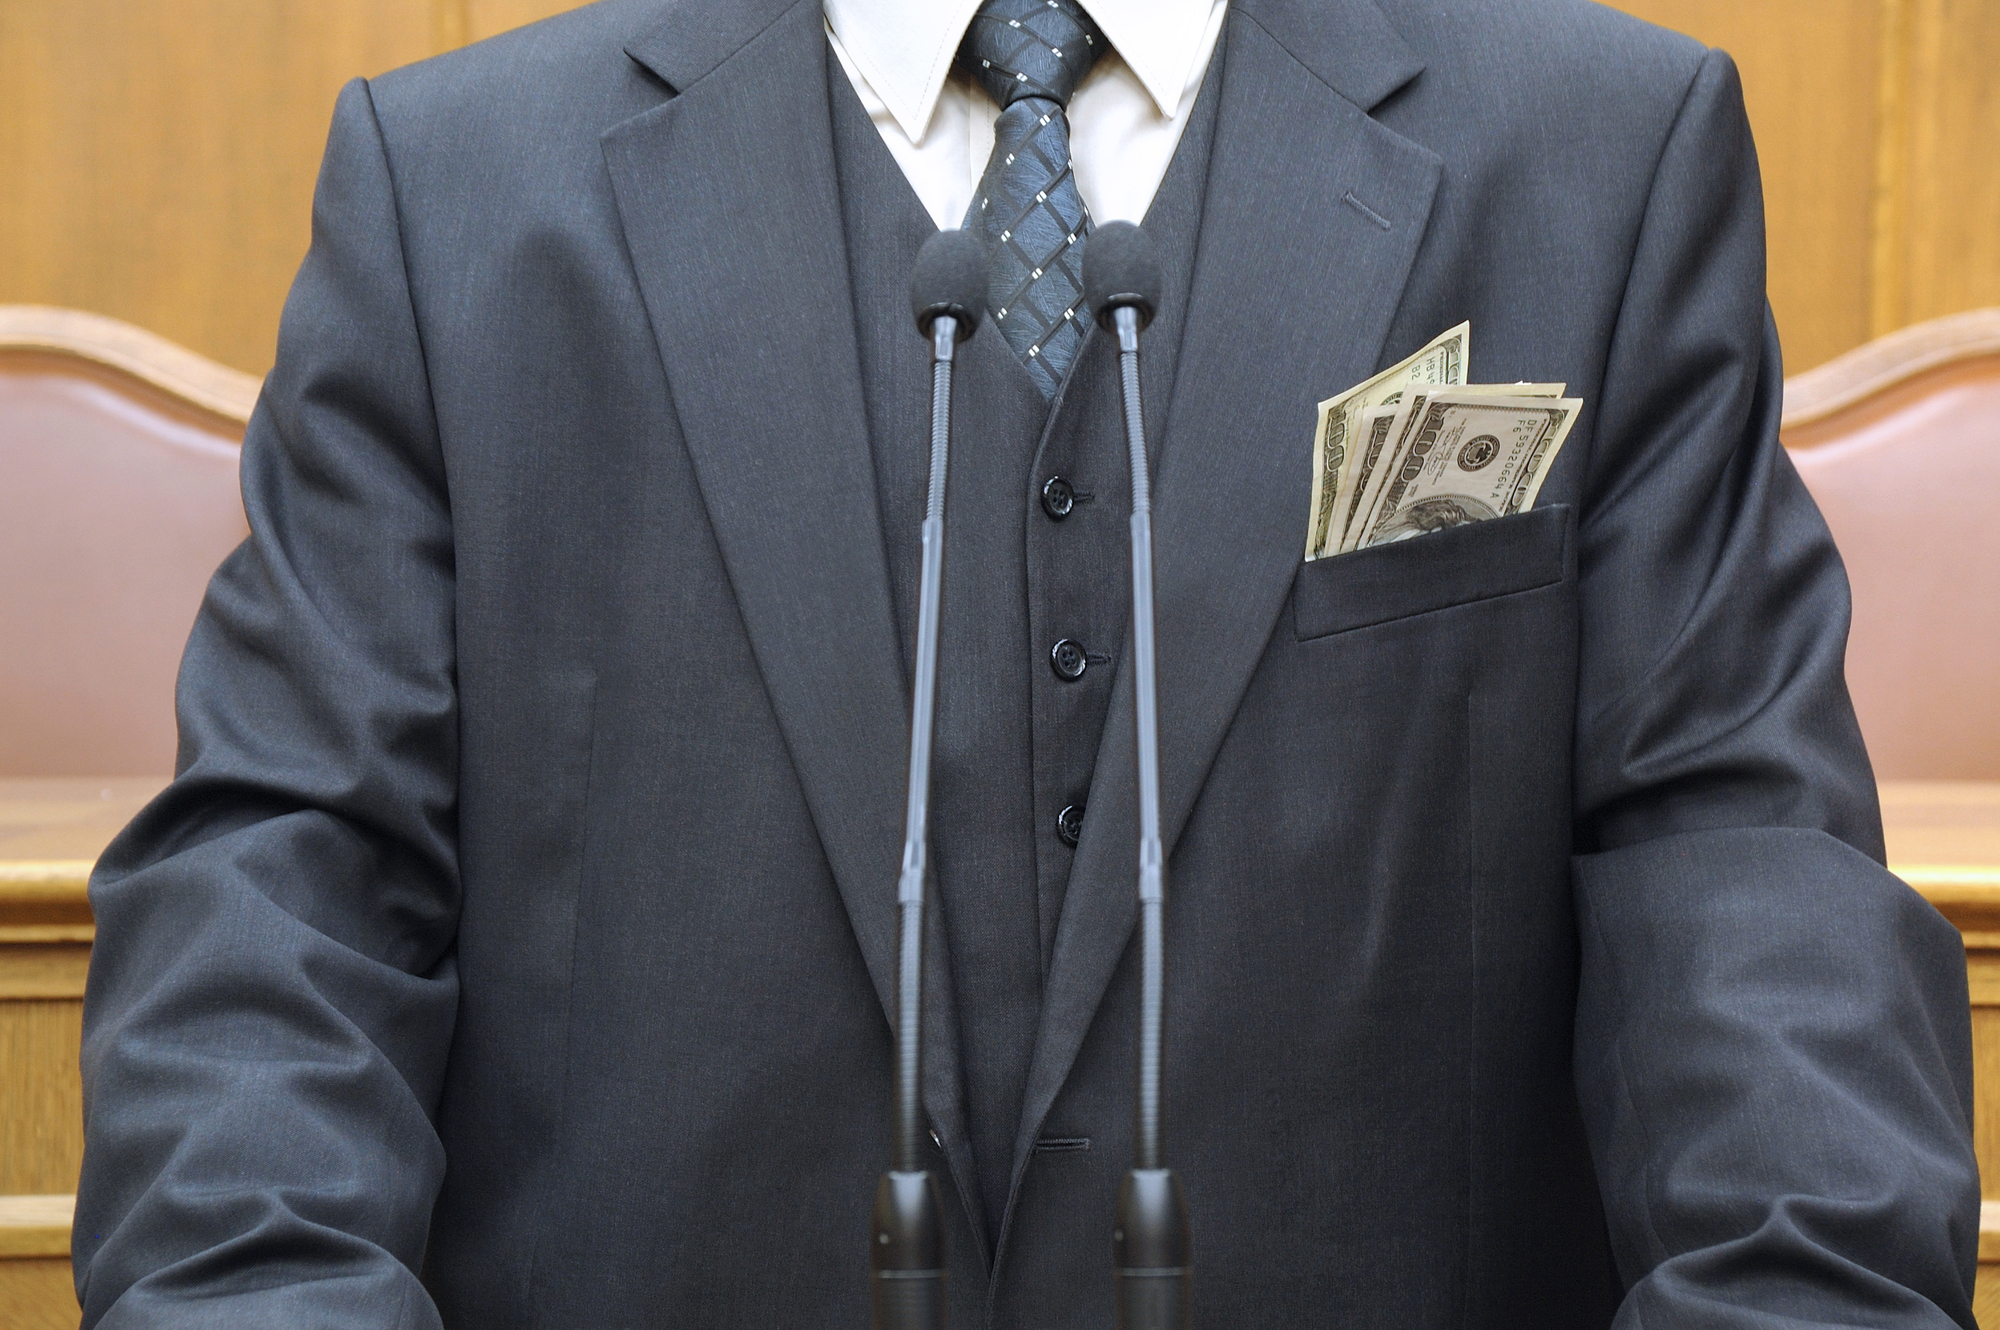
(1586,44)
(525,94)
(1548,76)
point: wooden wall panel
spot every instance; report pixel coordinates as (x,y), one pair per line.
(1811,89)
(486,17)
(38,1294)
(1875,121)
(1939,247)
(41,1094)
(159,155)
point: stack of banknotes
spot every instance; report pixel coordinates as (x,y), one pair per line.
(1417,449)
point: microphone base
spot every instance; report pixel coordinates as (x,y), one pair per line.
(1155,1299)
(913,1302)
(1154,1263)
(906,1251)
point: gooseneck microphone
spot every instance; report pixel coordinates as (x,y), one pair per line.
(906,1247)
(1153,1262)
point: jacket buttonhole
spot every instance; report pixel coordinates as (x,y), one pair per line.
(1366,211)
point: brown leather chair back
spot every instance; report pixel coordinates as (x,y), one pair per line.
(1899,442)
(118,498)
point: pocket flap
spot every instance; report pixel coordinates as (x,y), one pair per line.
(1477,561)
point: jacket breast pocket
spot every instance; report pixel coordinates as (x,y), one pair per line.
(1478,561)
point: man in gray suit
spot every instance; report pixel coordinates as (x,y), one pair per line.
(513,947)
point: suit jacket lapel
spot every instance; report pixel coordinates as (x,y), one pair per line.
(730,204)
(1307,238)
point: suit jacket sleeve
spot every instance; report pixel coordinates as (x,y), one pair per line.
(272,994)
(1772,1042)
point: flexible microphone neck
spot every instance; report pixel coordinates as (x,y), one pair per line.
(906,1247)
(1153,1262)
(1128,321)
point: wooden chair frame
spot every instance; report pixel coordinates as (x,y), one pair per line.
(187,376)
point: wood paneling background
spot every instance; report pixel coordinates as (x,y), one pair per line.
(1938,242)
(1875,121)
(1811,70)
(41,1130)
(157,156)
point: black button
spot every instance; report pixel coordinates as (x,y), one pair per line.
(1058,497)
(1067,659)
(1069,824)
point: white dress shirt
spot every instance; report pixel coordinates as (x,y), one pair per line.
(1125,119)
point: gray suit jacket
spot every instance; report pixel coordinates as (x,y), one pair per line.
(513,948)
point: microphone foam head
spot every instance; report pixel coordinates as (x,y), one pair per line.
(1121,269)
(950,278)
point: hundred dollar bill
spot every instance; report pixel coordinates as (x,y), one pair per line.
(1377,427)
(1385,435)
(1444,361)
(1470,458)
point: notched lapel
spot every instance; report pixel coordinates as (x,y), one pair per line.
(730,204)
(1294,292)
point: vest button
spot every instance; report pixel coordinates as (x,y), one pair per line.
(1069,824)
(1066,658)
(1058,497)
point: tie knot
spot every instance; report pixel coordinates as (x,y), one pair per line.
(1031,48)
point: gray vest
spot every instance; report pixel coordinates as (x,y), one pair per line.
(1016,739)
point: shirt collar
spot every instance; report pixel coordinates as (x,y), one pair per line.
(905,47)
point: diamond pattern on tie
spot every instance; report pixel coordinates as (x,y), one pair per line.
(1030,55)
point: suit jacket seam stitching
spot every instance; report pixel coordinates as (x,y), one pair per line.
(1317,77)
(783,13)
(539,1226)
(1585,513)
(410,300)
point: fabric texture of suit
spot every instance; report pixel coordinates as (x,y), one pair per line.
(515,944)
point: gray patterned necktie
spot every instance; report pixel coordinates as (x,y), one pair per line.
(1030,55)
